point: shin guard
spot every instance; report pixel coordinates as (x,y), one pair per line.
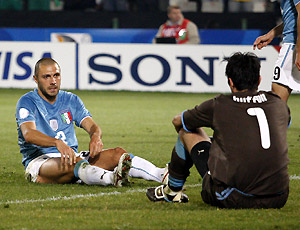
(199,155)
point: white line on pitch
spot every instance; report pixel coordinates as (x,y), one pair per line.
(81,196)
(293,177)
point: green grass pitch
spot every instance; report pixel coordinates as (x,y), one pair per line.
(140,123)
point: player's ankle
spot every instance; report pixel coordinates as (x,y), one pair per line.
(77,166)
(170,192)
(173,189)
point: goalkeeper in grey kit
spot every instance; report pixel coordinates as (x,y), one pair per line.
(245,164)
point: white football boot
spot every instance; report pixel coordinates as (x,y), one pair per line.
(164,193)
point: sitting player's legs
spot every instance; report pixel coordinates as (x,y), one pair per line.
(198,145)
(103,166)
(179,170)
(48,169)
(179,167)
(52,171)
(141,168)
(108,159)
(98,170)
(190,148)
(144,169)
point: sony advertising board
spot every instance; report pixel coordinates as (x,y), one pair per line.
(173,68)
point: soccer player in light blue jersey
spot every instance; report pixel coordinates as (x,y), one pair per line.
(46,135)
(286,76)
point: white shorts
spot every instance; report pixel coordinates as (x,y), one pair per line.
(286,72)
(33,168)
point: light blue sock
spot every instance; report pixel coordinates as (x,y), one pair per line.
(77,167)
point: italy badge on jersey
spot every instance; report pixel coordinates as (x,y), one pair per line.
(66,116)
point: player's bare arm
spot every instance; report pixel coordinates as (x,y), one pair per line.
(177,122)
(95,133)
(36,137)
(264,40)
(297,61)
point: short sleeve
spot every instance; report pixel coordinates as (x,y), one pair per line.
(200,116)
(81,112)
(25,111)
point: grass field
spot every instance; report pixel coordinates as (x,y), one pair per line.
(140,123)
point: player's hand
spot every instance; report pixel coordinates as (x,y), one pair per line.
(96,145)
(297,61)
(68,156)
(262,41)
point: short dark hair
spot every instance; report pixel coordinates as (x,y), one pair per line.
(172,7)
(43,61)
(244,70)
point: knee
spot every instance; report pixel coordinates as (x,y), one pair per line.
(182,135)
(117,153)
(181,132)
(199,135)
(53,172)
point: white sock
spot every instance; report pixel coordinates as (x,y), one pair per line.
(142,168)
(93,175)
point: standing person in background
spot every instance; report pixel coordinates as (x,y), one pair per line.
(286,75)
(184,30)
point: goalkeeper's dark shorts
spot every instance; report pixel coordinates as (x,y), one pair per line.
(222,196)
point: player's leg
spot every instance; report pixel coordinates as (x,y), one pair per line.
(140,168)
(144,169)
(282,91)
(180,164)
(52,171)
(111,166)
(286,76)
(196,148)
(108,159)
(198,145)
(101,167)
(47,168)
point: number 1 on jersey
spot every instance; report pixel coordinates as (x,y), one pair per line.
(263,125)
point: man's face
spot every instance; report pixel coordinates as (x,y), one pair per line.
(175,15)
(48,81)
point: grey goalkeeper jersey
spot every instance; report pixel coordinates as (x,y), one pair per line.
(250,150)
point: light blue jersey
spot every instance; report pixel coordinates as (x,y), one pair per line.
(53,120)
(289,17)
